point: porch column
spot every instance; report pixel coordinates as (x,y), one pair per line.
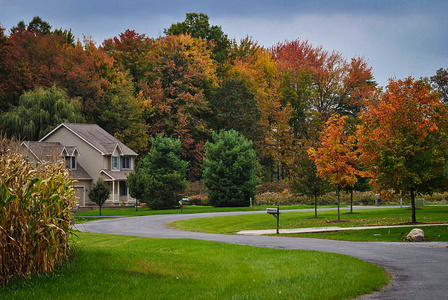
(113,190)
(127,195)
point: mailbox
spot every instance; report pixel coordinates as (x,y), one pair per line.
(272,210)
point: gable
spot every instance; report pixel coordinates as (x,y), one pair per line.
(94,136)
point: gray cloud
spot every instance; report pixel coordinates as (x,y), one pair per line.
(400,38)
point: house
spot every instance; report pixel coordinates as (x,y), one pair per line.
(90,152)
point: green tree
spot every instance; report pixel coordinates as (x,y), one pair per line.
(403,139)
(39,112)
(122,114)
(160,179)
(304,178)
(234,107)
(230,169)
(99,193)
(37,25)
(136,184)
(198,26)
(440,82)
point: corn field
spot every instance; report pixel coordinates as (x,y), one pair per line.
(35,217)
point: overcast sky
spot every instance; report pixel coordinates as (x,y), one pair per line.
(399,38)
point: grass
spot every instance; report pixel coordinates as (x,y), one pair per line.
(437,233)
(364,217)
(80,216)
(188,209)
(119,267)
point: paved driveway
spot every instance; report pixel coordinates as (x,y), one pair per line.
(420,269)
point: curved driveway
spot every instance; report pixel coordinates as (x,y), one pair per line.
(420,270)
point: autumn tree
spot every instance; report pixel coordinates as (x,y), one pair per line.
(403,139)
(39,112)
(336,159)
(318,83)
(254,65)
(230,169)
(180,81)
(130,52)
(31,60)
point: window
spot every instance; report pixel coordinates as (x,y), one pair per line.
(70,162)
(125,162)
(114,162)
(123,188)
(73,159)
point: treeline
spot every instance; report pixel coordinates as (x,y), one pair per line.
(187,84)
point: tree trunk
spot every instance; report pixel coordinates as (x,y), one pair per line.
(414,219)
(351,201)
(339,218)
(100,210)
(315,205)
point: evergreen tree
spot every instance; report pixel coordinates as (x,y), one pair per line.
(160,180)
(230,169)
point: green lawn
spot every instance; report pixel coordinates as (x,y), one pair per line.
(93,215)
(436,233)
(365,217)
(119,267)
(188,209)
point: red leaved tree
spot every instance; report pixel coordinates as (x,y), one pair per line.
(337,158)
(404,139)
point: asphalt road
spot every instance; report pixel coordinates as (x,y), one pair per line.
(420,270)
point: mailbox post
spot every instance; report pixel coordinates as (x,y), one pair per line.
(181,202)
(276,213)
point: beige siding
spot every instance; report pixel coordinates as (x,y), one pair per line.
(92,161)
(82,187)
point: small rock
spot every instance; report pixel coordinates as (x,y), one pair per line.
(416,235)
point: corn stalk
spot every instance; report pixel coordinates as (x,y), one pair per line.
(35,218)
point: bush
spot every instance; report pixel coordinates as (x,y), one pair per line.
(35,215)
(273,187)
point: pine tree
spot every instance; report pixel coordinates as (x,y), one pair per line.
(230,169)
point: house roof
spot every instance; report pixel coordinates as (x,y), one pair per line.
(43,151)
(70,150)
(96,137)
(80,173)
(115,175)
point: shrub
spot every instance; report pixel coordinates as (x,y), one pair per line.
(35,215)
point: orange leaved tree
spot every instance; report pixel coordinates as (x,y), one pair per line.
(403,139)
(337,158)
